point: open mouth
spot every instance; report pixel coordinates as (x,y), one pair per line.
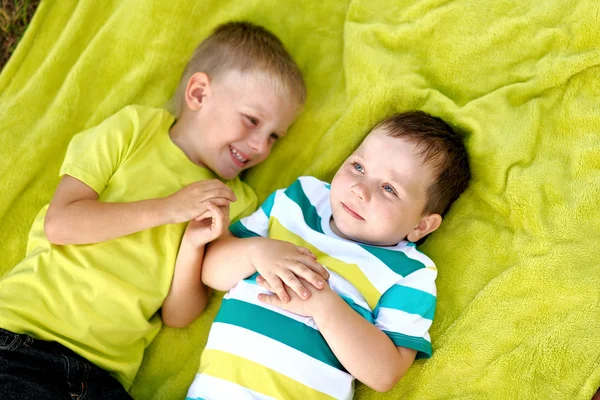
(238,157)
(352,212)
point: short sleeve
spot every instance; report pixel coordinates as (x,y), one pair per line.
(95,154)
(405,311)
(257,224)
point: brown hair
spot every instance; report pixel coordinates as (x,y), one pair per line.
(244,47)
(441,148)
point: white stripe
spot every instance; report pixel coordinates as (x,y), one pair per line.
(345,288)
(258,223)
(416,255)
(390,319)
(379,274)
(316,191)
(422,279)
(212,388)
(304,369)
(248,292)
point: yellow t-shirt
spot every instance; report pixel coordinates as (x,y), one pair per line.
(101,300)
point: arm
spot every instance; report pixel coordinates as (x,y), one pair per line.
(230,259)
(364,350)
(75,215)
(188,296)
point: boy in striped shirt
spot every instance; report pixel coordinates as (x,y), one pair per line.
(324,282)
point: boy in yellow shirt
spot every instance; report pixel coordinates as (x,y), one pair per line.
(78,311)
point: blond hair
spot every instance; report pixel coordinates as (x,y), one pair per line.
(247,48)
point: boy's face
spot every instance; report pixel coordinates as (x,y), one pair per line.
(238,118)
(378,195)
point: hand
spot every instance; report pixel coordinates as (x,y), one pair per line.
(297,305)
(190,202)
(208,226)
(281,263)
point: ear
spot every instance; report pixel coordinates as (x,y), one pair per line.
(198,87)
(425,226)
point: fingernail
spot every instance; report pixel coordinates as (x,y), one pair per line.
(320,283)
(285,298)
(304,294)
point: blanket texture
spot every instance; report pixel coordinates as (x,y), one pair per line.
(518,315)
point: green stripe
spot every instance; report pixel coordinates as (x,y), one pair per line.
(397,261)
(238,229)
(252,278)
(297,195)
(360,310)
(277,327)
(267,205)
(422,346)
(409,300)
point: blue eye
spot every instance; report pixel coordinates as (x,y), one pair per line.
(358,167)
(389,189)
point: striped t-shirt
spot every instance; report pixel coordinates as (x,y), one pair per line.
(256,351)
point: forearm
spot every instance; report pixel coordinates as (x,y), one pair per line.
(228,260)
(364,350)
(187,296)
(89,221)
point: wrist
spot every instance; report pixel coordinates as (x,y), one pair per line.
(327,305)
(158,212)
(256,249)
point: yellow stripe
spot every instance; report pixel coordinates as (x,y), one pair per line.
(350,272)
(257,377)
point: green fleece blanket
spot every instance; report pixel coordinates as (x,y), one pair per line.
(518,254)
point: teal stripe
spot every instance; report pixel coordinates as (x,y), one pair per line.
(360,310)
(252,278)
(297,195)
(267,205)
(238,229)
(397,261)
(409,300)
(277,327)
(422,346)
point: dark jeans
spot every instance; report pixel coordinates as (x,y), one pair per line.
(36,369)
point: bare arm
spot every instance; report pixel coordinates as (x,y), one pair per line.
(188,296)
(75,215)
(230,259)
(364,350)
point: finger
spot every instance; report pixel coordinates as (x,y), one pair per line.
(263,283)
(305,251)
(225,193)
(206,214)
(270,299)
(292,281)
(277,287)
(301,270)
(218,218)
(211,184)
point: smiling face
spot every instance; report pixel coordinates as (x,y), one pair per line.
(232,122)
(378,195)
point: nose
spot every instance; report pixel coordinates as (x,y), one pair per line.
(258,144)
(361,191)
